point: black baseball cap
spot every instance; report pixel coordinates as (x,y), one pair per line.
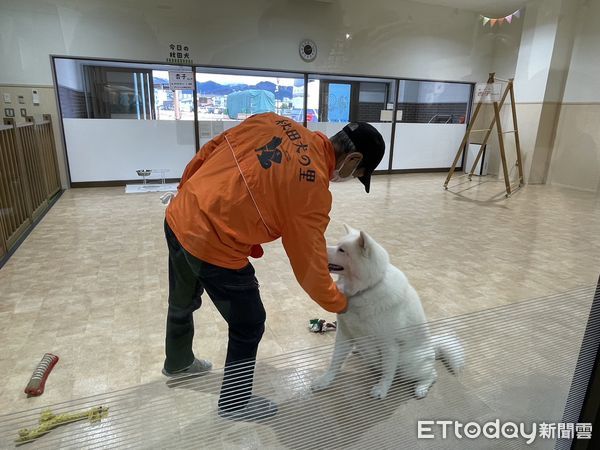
(369,142)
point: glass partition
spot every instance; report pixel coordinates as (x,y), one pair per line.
(119,118)
(334,101)
(431,122)
(227,96)
(430,116)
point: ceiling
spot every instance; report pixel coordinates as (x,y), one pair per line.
(490,8)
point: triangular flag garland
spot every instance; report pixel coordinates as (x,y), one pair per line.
(500,20)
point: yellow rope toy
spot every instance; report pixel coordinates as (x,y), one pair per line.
(49,421)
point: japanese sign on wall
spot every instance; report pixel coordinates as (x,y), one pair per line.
(488,92)
(179,54)
(181,80)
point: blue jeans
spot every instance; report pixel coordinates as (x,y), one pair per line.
(235,293)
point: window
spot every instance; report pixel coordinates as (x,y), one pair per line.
(433,102)
(118,92)
(91,89)
(171,104)
(233,95)
(336,101)
(228,96)
(350,99)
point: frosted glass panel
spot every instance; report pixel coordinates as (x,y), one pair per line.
(327,128)
(113,149)
(426,146)
(386,131)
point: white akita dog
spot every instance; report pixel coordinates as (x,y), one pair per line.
(385,320)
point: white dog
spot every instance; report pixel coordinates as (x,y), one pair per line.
(385,319)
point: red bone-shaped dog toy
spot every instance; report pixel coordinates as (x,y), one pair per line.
(40,374)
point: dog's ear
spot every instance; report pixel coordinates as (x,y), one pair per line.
(349,229)
(364,241)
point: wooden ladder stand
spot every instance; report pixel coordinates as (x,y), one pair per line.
(488,131)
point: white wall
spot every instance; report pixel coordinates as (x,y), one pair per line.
(542,64)
(397,38)
(583,80)
(425,145)
(535,52)
(576,155)
(388,37)
(506,42)
(113,149)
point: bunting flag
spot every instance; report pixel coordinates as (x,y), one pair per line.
(501,20)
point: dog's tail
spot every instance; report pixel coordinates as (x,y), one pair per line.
(449,349)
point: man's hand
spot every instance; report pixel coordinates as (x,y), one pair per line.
(345,308)
(257,251)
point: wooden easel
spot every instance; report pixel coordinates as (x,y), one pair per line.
(488,131)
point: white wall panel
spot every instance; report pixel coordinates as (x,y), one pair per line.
(426,145)
(112,149)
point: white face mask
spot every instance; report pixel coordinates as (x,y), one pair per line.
(336,178)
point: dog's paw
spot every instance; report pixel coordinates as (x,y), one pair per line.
(422,390)
(322,382)
(379,392)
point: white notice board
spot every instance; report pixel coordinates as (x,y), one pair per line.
(488,92)
(181,80)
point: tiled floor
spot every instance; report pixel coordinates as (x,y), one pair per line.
(516,371)
(89,284)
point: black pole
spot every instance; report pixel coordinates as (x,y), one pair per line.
(196,132)
(305,122)
(393,136)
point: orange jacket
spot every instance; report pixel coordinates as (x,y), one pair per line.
(276,186)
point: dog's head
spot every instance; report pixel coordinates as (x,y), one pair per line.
(358,258)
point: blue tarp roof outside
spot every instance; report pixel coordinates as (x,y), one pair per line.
(252,101)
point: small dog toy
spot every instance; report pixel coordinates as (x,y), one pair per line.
(166,198)
(321,326)
(40,374)
(49,421)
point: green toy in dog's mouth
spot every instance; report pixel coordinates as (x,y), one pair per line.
(335,268)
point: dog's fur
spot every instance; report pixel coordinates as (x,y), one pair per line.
(385,319)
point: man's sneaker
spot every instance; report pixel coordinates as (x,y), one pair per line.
(198,367)
(257,408)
